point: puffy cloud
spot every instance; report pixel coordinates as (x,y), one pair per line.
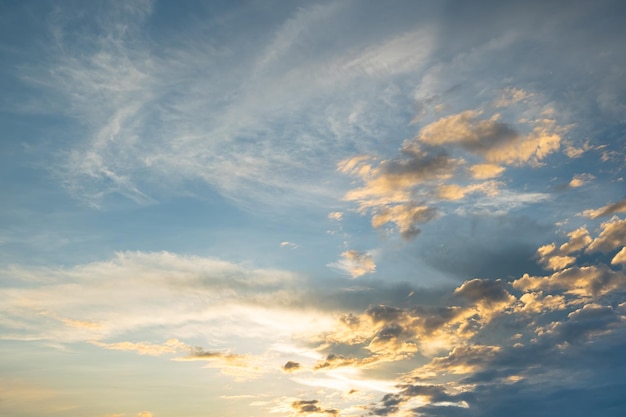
(468,132)
(618,207)
(485,171)
(586,281)
(497,142)
(392,181)
(356,263)
(581,179)
(406,216)
(589,321)
(405,190)
(579,239)
(620,257)
(460,360)
(543,140)
(613,236)
(490,293)
(537,302)
(555,259)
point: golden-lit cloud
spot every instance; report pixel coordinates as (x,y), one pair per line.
(618,207)
(406,190)
(586,281)
(537,303)
(486,171)
(581,179)
(311,408)
(620,257)
(356,263)
(496,141)
(144,348)
(335,215)
(406,216)
(460,360)
(612,236)
(456,192)
(555,259)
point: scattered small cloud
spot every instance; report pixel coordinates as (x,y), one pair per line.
(291,366)
(335,215)
(356,263)
(512,95)
(581,179)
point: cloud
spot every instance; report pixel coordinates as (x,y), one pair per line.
(144,348)
(291,366)
(176,294)
(497,142)
(512,95)
(406,217)
(312,407)
(356,263)
(581,179)
(144,414)
(486,171)
(612,236)
(620,257)
(536,326)
(618,207)
(586,281)
(335,215)
(389,189)
(555,258)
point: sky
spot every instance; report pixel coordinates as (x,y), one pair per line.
(312,208)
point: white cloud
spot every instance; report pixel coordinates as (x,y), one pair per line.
(137,291)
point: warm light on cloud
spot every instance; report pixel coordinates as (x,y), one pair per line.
(618,207)
(620,257)
(486,171)
(511,95)
(144,348)
(312,209)
(335,215)
(581,179)
(407,217)
(356,263)
(612,236)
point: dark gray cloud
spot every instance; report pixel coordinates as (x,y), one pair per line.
(490,291)
(306,407)
(291,366)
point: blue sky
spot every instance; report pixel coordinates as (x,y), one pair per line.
(347,208)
